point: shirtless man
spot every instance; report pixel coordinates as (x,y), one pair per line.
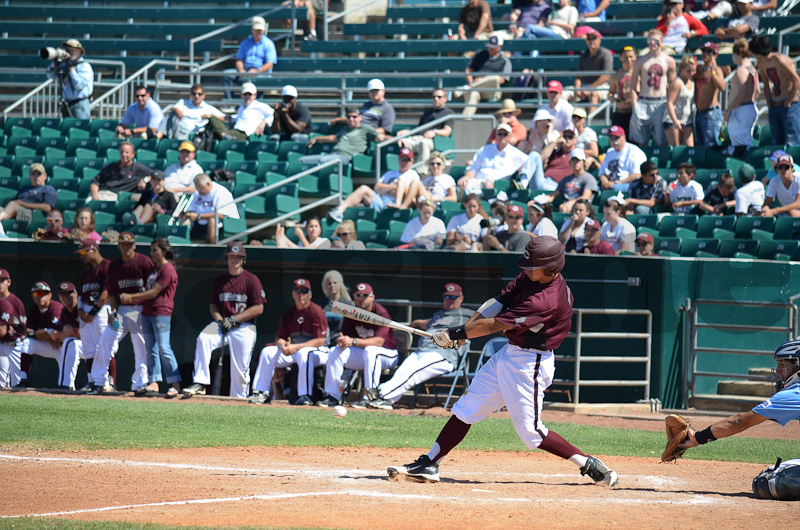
(781,86)
(744,91)
(709,81)
(619,89)
(652,74)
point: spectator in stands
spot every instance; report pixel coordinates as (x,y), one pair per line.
(189,115)
(596,58)
(678,27)
(645,192)
(652,74)
(422,144)
(751,194)
(764,7)
(424,231)
(587,138)
(353,140)
(710,81)
(622,163)
(311,238)
(712,9)
(743,93)
(377,112)
(540,220)
(252,117)
(492,162)
(512,239)
(488,70)
(83,226)
(464,230)
(773,160)
(313,7)
(77,81)
(180,175)
(292,119)
(592,10)
(388,193)
(142,118)
(786,189)
(475,21)
(508,114)
(346,237)
(541,133)
(211,203)
(125,175)
(38,195)
(335,291)
(645,245)
(153,202)
(527,14)
(55,230)
(571,233)
(558,107)
(687,193)
(678,126)
(556,158)
(579,184)
(781,87)
(720,197)
(616,229)
(592,243)
(745,25)
(619,89)
(256,55)
(559,25)
(437,187)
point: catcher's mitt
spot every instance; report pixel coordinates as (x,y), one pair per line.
(677,433)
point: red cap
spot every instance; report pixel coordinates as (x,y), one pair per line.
(364,288)
(236,248)
(407,153)
(87,244)
(554,86)
(711,46)
(592,223)
(126,237)
(302,283)
(645,236)
(66,287)
(616,130)
(452,288)
(516,208)
(785,159)
(4,274)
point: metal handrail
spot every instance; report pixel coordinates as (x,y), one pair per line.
(783,32)
(23,101)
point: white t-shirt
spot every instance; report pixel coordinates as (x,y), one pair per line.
(691,192)
(624,232)
(193,116)
(579,236)
(320,241)
(395,177)
(248,118)
(565,15)
(562,112)
(489,164)
(586,137)
(785,196)
(750,198)
(415,229)
(439,186)
(674,37)
(178,176)
(218,196)
(544,228)
(465,226)
(618,165)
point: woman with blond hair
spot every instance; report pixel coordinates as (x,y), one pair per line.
(346,237)
(678,120)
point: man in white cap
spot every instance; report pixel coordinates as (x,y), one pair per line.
(252,117)
(487,71)
(256,55)
(292,118)
(180,175)
(77,81)
(580,184)
(189,115)
(495,161)
(377,112)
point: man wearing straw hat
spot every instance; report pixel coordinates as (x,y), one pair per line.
(508,114)
(77,80)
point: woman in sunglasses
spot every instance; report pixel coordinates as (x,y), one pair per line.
(346,237)
(437,187)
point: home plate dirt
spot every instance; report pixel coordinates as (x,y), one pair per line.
(348,488)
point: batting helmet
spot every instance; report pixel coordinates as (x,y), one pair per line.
(236,248)
(788,351)
(543,252)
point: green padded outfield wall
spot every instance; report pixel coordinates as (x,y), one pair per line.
(659,285)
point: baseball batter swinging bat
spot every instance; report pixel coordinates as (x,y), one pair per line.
(363,315)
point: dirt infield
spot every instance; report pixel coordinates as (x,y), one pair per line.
(348,488)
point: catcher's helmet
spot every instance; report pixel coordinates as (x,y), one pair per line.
(781,482)
(543,252)
(788,351)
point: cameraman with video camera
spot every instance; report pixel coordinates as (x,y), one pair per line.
(74,75)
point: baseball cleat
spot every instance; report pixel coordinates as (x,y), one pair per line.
(195,390)
(23,383)
(360,404)
(380,404)
(423,470)
(327,401)
(260,398)
(599,472)
(372,394)
(303,401)
(86,388)
(101,389)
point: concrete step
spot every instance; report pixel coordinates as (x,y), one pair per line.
(723,402)
(766,372)
(745,388)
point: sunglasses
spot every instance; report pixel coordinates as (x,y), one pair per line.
(435,164)
(361,295)
(513,217)
(247,94)
(568,136)
(197,93)
(345,233)
(54,220)
(641,243)
(353,117)
(451,297)
(591,37)
(438,97)
(40,293)
(501,133)
(138,96)
(302,291)
(782,168)
(591,229)
(83,252)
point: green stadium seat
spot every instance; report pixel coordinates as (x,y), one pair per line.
(729,248)
(291,147)
(65,184)
(275,167)
(707,224)
(22,123)
(248,166)
(146,230)
(210,165)
(690,247)
(45,143)
(51,123)
(670,223)
(759,156)
(103,206)
(239,146)
(388,215)
(75,123)
(254,206)
(363,166)
(85,145)
(47,132)
(159,163)
(16,229)
(770,249)
(61,171)
(681,153)
(396,229)
(21,166)
(329,227)
(648,220)
(746,224)
(100,124)
(667,244)
(174,233)
(255,148)
(360,212)
(786,228)
(167,144)
(282,200)
(103,220)
(11,183)
(231,227)
(660,154)
(6,195)
(375,239)
(14,143)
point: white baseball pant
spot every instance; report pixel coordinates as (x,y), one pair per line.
(43,348)
(740,124)
(241,342)
(72,353)
(130,321)
(91,333)
(517,378)
(306,359)
(372,359)
(10,369)
(417,368)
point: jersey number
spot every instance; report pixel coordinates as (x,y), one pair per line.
(239,307)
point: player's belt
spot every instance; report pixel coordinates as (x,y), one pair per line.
(10,342)
(643,98)
(708,109)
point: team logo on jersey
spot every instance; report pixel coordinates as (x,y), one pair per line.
(263,294)
(55,320)
(365,333)
(7,317)
(519,320)
(300,320)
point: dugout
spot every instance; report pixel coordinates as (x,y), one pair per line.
(660,285)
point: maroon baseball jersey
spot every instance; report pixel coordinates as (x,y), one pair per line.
(17,304)
(303,325)
(128,277)
(69,318)
(164,303)
(9,315)
(540,315)
(362,330)
(233,294)
(93,282)
(50,318)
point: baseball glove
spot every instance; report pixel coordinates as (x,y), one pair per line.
(677,433)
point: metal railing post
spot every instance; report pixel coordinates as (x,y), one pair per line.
(576,390)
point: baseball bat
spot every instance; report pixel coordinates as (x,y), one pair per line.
(363,315)
(215,389)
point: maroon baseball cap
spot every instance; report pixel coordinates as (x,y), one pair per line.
(592,223)
(452,288)
(407,153)
(66,287)
(616,130)
(554,86)
(87,244)
(711,46)
(364,288)
(645,236)
(785,159)
(236,248)
(41,286)
(302,283)
(516,208)
(4,274)
(126,237)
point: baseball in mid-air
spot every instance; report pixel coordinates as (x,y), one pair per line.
(339,411)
